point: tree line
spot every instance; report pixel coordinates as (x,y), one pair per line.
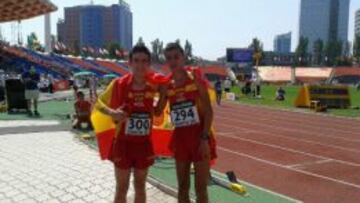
(331,53)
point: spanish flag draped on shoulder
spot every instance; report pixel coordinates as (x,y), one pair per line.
(106,129)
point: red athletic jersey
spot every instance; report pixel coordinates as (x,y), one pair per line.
(187,115)
(83,106)
(139,106)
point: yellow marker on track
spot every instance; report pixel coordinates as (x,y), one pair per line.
(240,189)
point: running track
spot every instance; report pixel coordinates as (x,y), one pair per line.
(308,157)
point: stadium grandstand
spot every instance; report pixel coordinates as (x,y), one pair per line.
(60,66)
(309,75)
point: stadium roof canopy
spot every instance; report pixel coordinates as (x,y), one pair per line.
(11,10)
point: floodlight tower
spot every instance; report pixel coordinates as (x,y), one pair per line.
(48,47)
(20,36)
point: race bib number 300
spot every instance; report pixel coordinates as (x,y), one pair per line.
(138,124)
(184,114)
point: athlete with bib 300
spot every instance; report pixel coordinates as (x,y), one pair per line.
(132,107)
(192,116)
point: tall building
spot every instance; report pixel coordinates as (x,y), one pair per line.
(97,26)
(282,43)
(324,19)
(357,23)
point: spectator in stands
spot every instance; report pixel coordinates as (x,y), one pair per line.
(76,89)
(93,87)
(227,85)
(218,89)
(31,80)
(43,84)
(280,94)
(71,80)
(82,111)
(50,80)
(256,83)
(2,85)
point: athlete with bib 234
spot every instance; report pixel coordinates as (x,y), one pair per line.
(192,116)
(132,108)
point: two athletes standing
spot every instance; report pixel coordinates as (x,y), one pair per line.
(132,108)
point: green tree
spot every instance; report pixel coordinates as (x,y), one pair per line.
(257,46)
(178,41)
(356,48)
(76,47)
(113,48)
(2,38)
(188,52)
(140,41)
(333,52)
(33,42)
(318,52)
(346,50)
(157,50)
(301,52)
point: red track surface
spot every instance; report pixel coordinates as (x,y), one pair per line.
(308,157)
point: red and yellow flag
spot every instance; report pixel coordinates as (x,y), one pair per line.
(106,129)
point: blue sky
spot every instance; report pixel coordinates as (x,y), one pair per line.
(211,25)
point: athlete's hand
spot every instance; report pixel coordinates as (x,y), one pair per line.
(204,149)
(118,115)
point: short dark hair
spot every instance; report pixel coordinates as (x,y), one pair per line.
(80,94)
(139,48)
(174,46)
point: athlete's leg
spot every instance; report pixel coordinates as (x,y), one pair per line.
(140,185)
(122,184)
(29,105)
(183,177)
(202,173)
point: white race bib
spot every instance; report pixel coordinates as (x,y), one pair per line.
(138,124)
(184,114)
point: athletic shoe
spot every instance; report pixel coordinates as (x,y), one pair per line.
(36,113)
(29,113)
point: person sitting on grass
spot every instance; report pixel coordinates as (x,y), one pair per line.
(280,94)
(246,90)
(82,110)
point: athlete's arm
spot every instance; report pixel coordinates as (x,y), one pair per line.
(204,148)
(206,104)
(116,113)
(160,106)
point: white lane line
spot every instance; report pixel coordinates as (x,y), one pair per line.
(291,169)
(340,120)
(298,116)
(312,126)
(318,134)
(26,123)
(350,128)
(310,163)
(259,188)
(293,138)
(292,150)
